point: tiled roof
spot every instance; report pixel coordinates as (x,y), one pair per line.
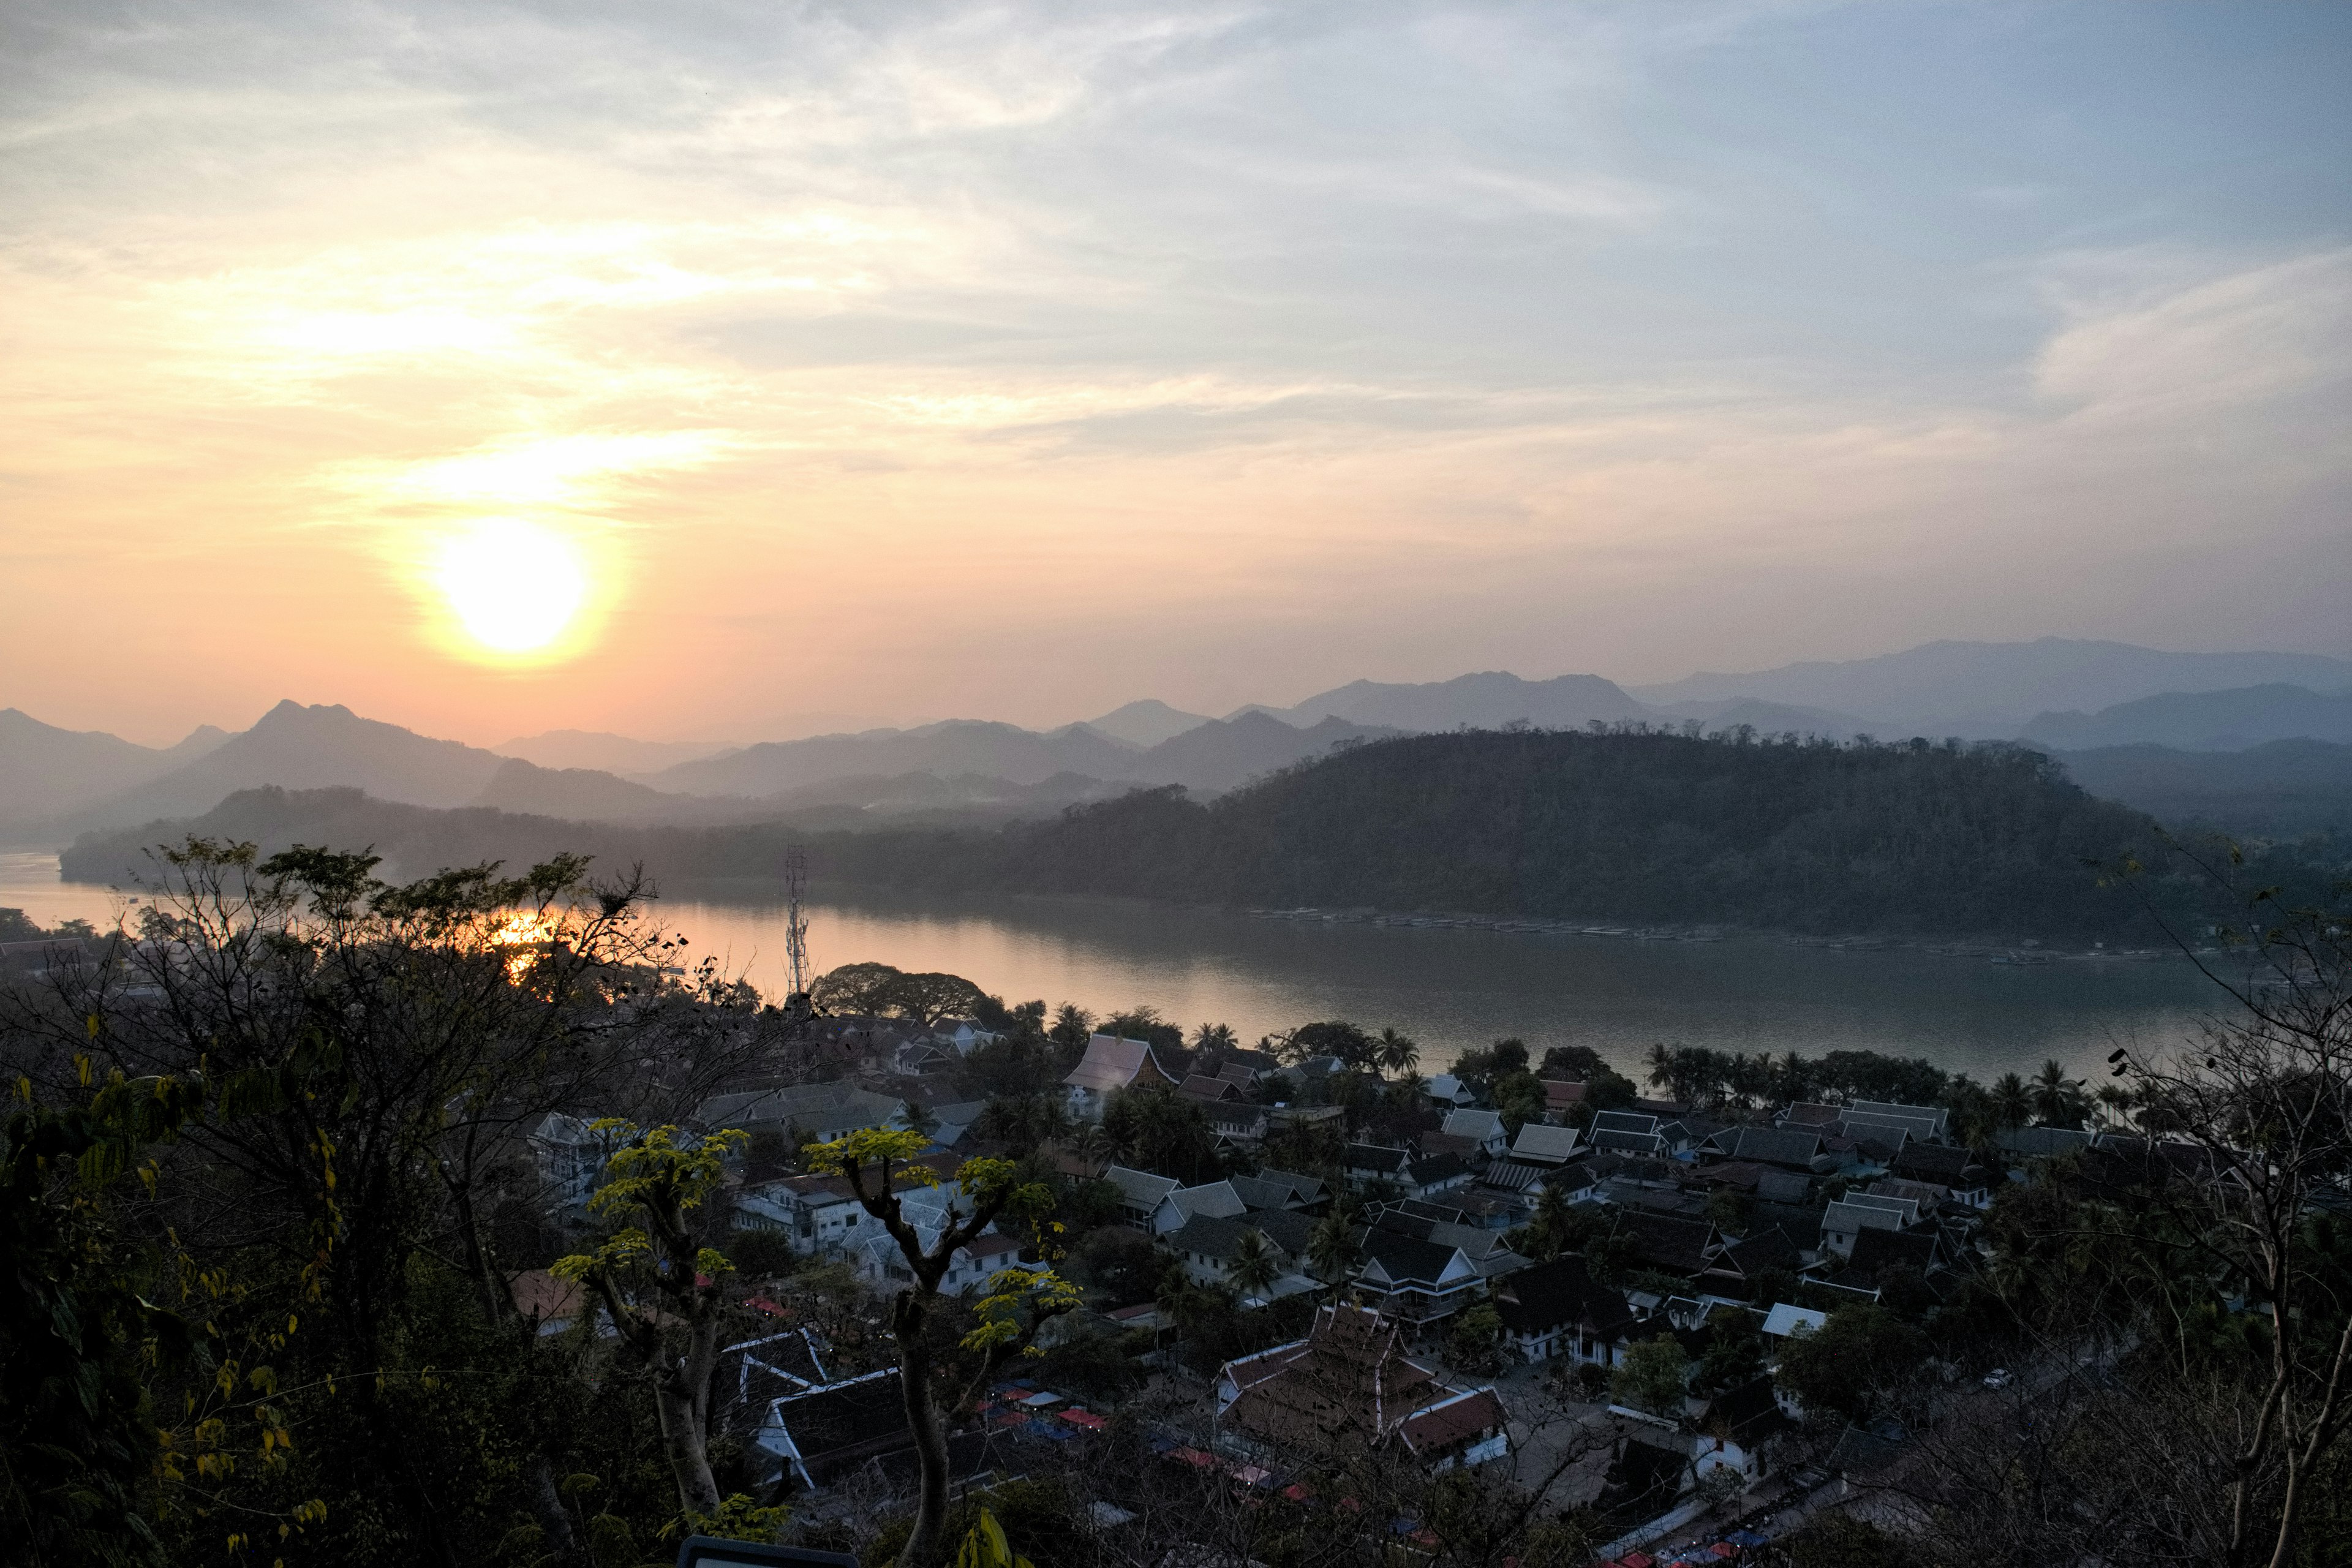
(1139,1189)
(1453,1420)
(1308,1188)
(1111,1063)
(1771,1145)
(1377,1157)
(1760,1250)
(1212,1198)
(1263,1195)
(1478,1124)
(1540,1299)
(1849,1217)
(1349,1377)
(1214,1089)
(1876,1249)
(1436,1168)
(1551,1145)
(1675,1245)
(1406,1259)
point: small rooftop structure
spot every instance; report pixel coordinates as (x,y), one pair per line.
(1112,1064)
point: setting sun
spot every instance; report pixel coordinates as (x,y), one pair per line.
(515,587)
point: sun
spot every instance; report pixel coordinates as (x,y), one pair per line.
(515,587)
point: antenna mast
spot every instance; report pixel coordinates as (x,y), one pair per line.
(795,919)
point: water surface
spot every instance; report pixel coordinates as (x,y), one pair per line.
(1450,989)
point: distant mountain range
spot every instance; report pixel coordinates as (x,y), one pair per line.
(1992,690)
(2052,694)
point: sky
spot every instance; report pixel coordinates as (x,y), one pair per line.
(710,371)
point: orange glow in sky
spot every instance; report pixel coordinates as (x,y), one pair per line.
(757,369)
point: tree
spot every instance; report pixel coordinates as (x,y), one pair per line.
(1399,1054)
(1213,1038)
(1571,1063)
(2012,1104)
(1331,1249)
(1253,1268)
(1854,1363)
(2057,1099)
(1653,1376)
(1470,1337)
(1334,1037)
(1016,1302)
(661,1288)
(1073,1026)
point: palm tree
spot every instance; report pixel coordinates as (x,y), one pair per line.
(1398,1053)
(1547,1233)
(1091,1144)
(2057,1099)
(2114,1104)
(1662,1064)
(1253,1268)
(2012,1106)
(1215,1038)
(1330,1247)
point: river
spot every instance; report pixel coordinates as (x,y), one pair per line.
(1450,989)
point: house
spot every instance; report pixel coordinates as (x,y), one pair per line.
(1876,1250)
(1735,1431)
(1238,1123)
(1627,1132)
(1810,1115)
(1308,1191)
(819,1435)
(1557,1309)
(1578,1183)
(1411,1280)
(1789,1149)
(1739,1264)
(817,1111)
(1924,1124)
(952,1123)
(1258,1193)
(1514,1175)
(1669,1242)
(1445,1090)
(1801,1222)
(884,1266)
(1207,1245)
(1952,1169)
(1110,1065)
(1560,1097)
(2023,1144)
(1482,1129)
(1211,1090)
(1349,1385)
(1784,1321)
(1858,1211)
(1368,1163)
(1143,1199)
(1541,1145)
(1216,1198)
(1435,1174)
(921,1056)
(963,1036)
(570,1155)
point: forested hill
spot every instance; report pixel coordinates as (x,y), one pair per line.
(1622,826)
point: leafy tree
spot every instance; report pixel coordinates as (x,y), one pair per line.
(1653,1376)
(1481,1069)
(661,1288)
(1145,1023)
(1335,1038)
(1073,1026)
(1474,1333)
(1016,1302)
(1518,1098)
(1572,1063)
(1852,1363)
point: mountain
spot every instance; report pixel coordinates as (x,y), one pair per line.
(1992,689)
(1147,722)
(955,746)
(2282,789)
(1222,754)
(310,748)
(588,794)
(45,772)
(2202,721)
(606,751)
(1488,700)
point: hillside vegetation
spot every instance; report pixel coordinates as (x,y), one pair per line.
(1630,825)
(1627,825)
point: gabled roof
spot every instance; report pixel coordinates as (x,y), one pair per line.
(1782,1186)
(1811,1113)
(814,1107)
(1788,1147)
(1458,1418)
(1112,1063)
(1436,1168)
(1760,1250)
(1210,1198)
(1513,1174)
(1545,1146)
(1481,1125)
(2041,1142)
(1745,1413)
(1801,1222)
(1401,1260)
(1264,1194)
(1377,1157)
(1624,1122)
(1350,1377)
(1849,1217)
(1571,1179)
(1941,1163)
(1139,1189)
(1562,1093)
(1196,1087)
(1877,1250)
(1213,1237)
(1675,1245)
(1308,1188)
(1784,1320)
(1548,1296)
(1936,1117)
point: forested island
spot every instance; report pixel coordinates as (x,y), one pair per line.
(1912,838)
